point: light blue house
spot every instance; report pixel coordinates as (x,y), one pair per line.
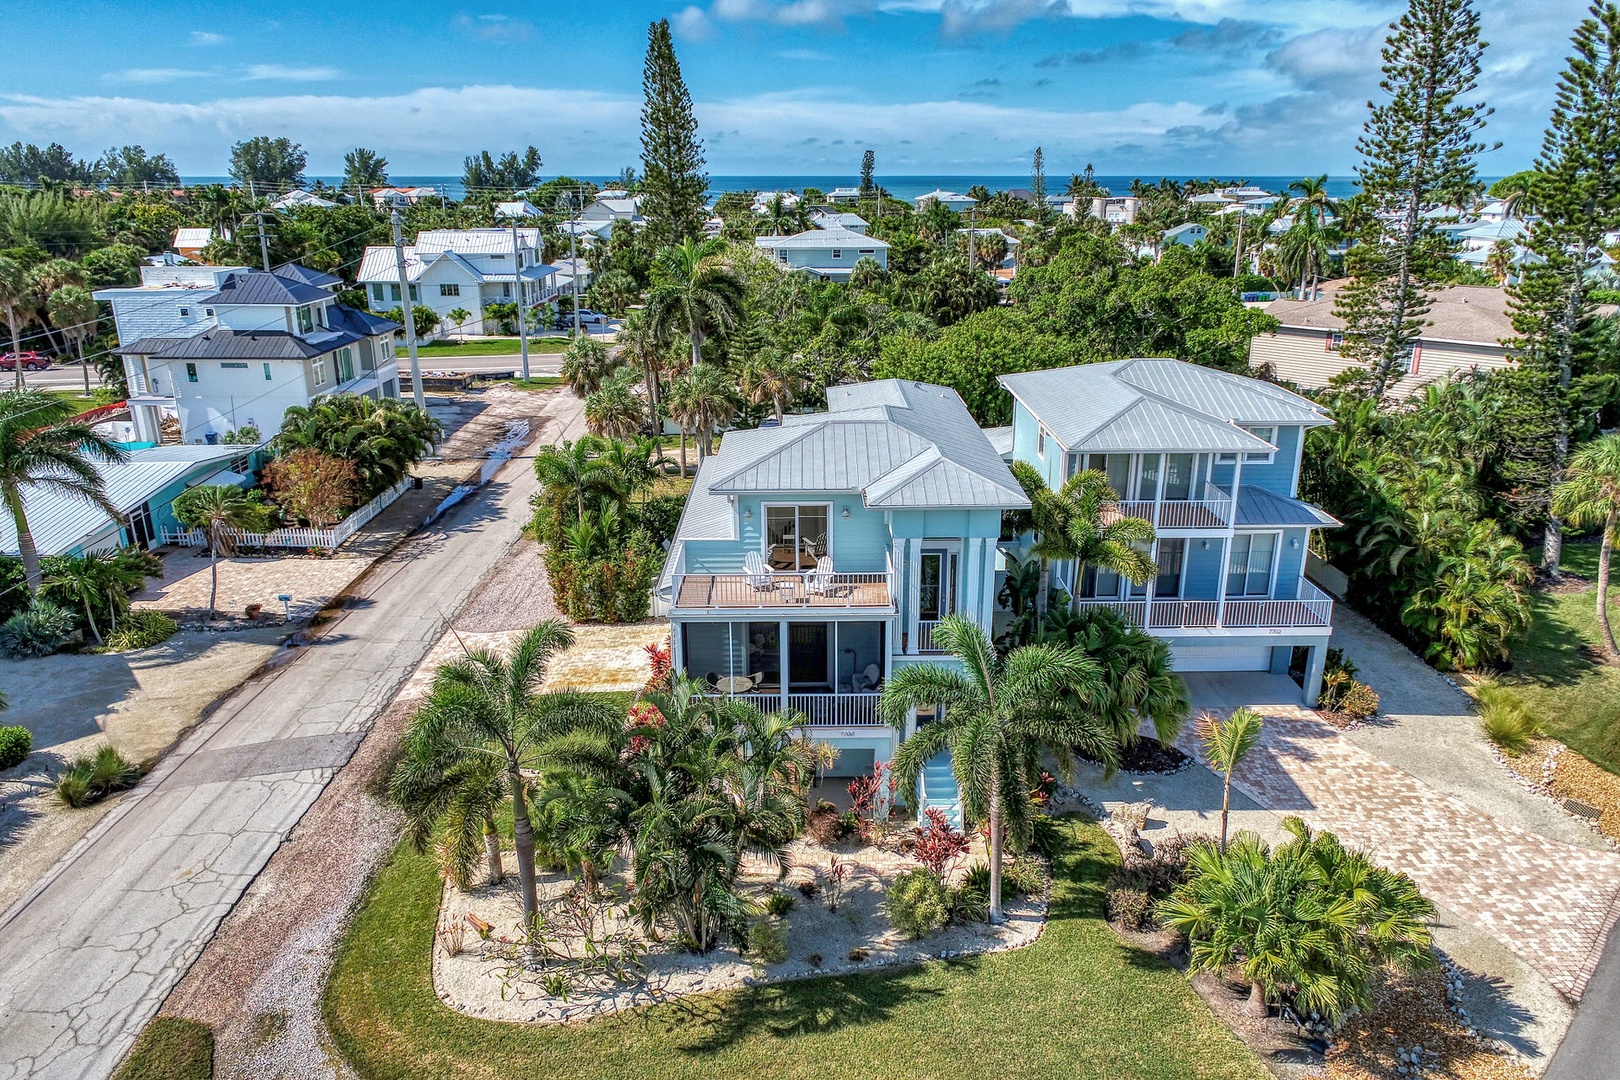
(829,253)
(1212,460)
(814,558)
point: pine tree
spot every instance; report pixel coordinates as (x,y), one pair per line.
(1576,189)
(868,163)
(1418,151)
(673,180)
(1037,181)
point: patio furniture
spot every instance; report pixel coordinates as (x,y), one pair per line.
(820,580)
(784,557)
(868,679)
(755,574)
(736,684)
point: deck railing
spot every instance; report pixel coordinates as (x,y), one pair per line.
(1211,513)
(925,636)
(1313,607)
(822,710)
(784,589)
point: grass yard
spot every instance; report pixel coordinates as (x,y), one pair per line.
(1577,700)
(535,382)
(1078,1003)
(487,347)
(80,401)
(170,1049)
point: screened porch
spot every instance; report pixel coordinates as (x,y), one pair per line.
(832,671)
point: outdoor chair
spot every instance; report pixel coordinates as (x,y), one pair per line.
(820,581)
(757,576)
(867,680)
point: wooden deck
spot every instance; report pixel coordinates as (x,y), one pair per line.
(783,590)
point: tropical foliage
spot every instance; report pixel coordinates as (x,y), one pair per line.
(382,439)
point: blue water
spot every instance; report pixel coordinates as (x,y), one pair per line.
(901,187)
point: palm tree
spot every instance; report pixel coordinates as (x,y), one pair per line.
(1139,677)
(615,410)
(997,716)
(1226,744)
(75,313)
(93,578)
(221,511)
(573,469)
(586,363)
(780,217)
(1590,496)
(382,438)
(458,797)
(458,319)
(695,293)
(641,344)
(1309,917)
(483,707)
(17,302)
(1081,522)
(770,375)
(42,447)
(1499,261)
(700,401)
(1309,242)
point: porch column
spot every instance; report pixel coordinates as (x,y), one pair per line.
(782,663)
(970,591)
(987,595)
(1313,674)
(1150,588)
(913,591)
(677,650)
(1221,573)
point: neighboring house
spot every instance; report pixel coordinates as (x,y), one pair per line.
(1479,238)
(397,198)
(1212,460)
(1211,198)
(814,558)
(827,253)
(318,278)
(297,198)
(461,268)
(763,199)
(1063,204)
(603,214)
(241,348)
(839,195)
(1115,211)
(951,200)
(567,271)
(142,489)
(1011,258)
(189,243)
(1468,325)
(832,219)
(1186,235)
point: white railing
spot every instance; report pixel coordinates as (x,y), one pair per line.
(1132,611)
(299,537)
(784,589)
(1177,614)
(925,635)
(1213,513)
(1313,607)
(822,710)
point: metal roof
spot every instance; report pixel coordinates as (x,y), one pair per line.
(317,278)
(495,241)
(1156,404)
(256,287)
(838,237)
(1001,438)
(900,444)
(1258,507)
(60,523)
(360,322)
(707,515)
(221,344)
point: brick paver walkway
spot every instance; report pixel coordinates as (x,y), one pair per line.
(1551,903)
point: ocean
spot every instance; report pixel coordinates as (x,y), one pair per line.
(901,187)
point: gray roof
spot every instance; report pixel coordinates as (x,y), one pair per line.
(838,237)
(258,287)
(59,524)
(900,444)
(317,278)
(1156,404)
(221,344)
(1257,507)
(1001,438)
(360,322)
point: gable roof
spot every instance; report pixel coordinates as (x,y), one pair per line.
(900,444)
(261,288)
(222,344)
(1156,404)
(317,278)
(1473,314)
(496,241)
(837,237)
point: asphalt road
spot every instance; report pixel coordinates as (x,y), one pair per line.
(1591,1046)
(90,954)
(539,363)
(55,377)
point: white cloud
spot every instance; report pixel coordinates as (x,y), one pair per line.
(284,73)
(153,76)
(692,23)
(207,37)
(502,29)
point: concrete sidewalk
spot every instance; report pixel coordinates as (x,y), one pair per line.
(91,953)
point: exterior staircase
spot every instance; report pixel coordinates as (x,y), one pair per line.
(938,789)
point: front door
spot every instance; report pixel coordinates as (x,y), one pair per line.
(936,591)
(807,656)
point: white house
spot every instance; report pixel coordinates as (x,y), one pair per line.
(241,350)
(297,198)
(951,200)
(762,199)
(840,195)
(396,198)
(466,269)
(1115,211)
(827,253)
(603,214)
(833,219)
(1186,235)
(189,242)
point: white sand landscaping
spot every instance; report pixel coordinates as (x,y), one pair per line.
(477,982)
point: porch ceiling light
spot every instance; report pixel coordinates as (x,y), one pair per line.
(1294,543)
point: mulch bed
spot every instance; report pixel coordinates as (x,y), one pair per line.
(1410,1011)
(1560,773)
(1147,756)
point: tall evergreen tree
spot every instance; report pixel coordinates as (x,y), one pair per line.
(868,163)
(1037,180)
(1576,188)
(673,180)
(1418,150)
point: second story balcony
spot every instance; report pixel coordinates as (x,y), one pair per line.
(1214,511)
(807,584)
(1310,609)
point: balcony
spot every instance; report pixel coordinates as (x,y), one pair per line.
(1313,609)
(822,710)
(1212,513)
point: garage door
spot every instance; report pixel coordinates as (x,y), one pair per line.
(1240,657)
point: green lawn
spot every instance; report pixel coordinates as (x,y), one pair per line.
(1080,1003)
(77,398)
(487,347)
(1576,699)
(170,1049)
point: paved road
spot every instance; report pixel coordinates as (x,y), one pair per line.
(539,363)
(89,956)
(55,377)
(1591,1047)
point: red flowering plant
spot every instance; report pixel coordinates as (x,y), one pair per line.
(870,798)
(1041,794)
(659,660)
(936,842)
(643,716)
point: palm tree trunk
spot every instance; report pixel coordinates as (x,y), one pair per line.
(90,617)
(697,347)
(778,403)
(1605,554)
(492,852)
(1226,805)
(84,368)
(25,542)
(1256,1005)
(213,573)
(683,451)
(996,917)
(523,837)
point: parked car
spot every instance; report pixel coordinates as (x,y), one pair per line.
(587,317)
(31,361)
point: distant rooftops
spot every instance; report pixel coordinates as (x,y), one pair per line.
(1471,314)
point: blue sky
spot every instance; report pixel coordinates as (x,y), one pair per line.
(781,86)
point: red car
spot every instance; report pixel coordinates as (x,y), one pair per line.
(31,361)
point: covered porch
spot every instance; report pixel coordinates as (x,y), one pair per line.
(832,671)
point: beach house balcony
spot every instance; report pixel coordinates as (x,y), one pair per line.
(1310,607)
(783,583)
(830,670)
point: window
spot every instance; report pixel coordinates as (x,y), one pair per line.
(345,364)
(1262,456)
(393,293)
(1335,340)
(1117,467)
(233,364)
(837,253)
(416,295)
(1248,571)
(1178,476)
(451,289)
(1147,477)
(1040,439)
(185,313)
(267,371)
(868,251)
(191,373)
(936,585)
(796,536)
(318,370)
(208,311)
(306,321)
(506,289)
(377,293)
(1171,554)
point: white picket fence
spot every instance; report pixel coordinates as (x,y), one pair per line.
(326,539)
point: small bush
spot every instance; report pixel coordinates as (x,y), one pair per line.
(15,742)
(918,903)
(1341,693)
(1046,837)
(809,889)
(768,942)
(141,630)
(92,777)
(1505,721)
(779,904)
(38,630)
(1024,876)
(826,827)
(936,843)
(970,901)
(1131,908)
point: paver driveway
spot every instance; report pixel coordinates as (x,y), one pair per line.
(1551,903)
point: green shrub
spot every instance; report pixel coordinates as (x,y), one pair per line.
(779,904)
(970,901)
(768,941)
(1046,837)
(141,630)
(1024,876)
(39,630)
(611,589)
(918,903)
(92,777)
(1341,693)
(15,742)
(1131,908)
(1504,719)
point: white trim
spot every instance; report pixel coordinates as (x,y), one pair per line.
(798,535)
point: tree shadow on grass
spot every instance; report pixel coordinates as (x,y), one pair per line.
(1552,652)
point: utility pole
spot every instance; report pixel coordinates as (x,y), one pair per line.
(523,306)
(264,242)
(398,222)
(972,217)
(573,253)
(1237,256)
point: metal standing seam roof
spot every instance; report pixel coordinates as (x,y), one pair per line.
(60,523)
(317,278)
(258,288)
(1156,404)
(1258,507)
(838,237)
(493,241)
(221,344)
